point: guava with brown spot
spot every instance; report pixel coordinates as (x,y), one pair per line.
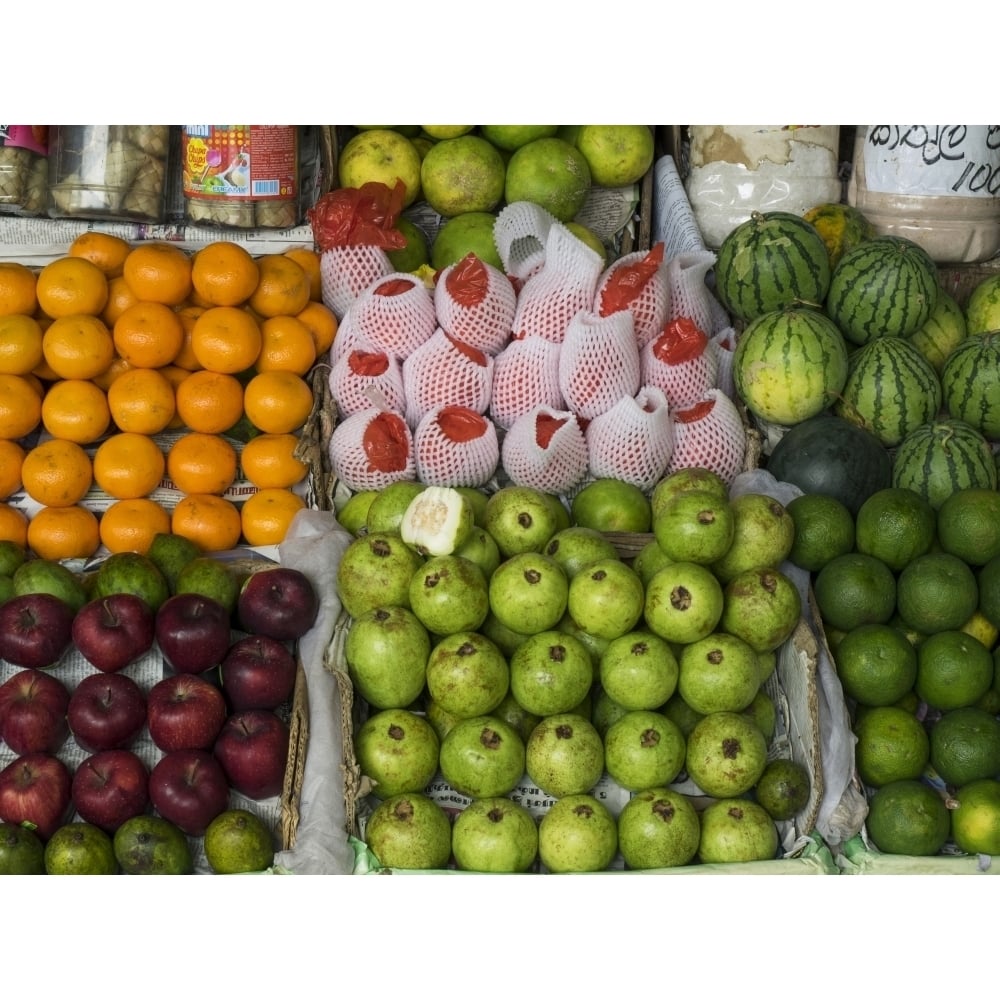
(762,607)
(726,754)
(736,830)
(658,828)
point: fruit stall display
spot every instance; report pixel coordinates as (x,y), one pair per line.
(566,380)
(877,401)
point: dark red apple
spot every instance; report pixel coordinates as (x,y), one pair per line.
(189,788)
(253,751)
(281,603)
(106,712)
(185,712)
(35,788)
(193,632)
(114,631)
(35,629)
(110,787)
(33,712)
(257,672)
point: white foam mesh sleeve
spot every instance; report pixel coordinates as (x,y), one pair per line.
(546,450)
(456,446)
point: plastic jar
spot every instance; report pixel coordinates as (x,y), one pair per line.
(108,172)
(735,170)
(938,185)
(241,176)
(24,169)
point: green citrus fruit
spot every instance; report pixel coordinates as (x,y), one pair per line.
(80,849)
(954,670)
(935,592)
(381,155)
(589,237)
(908,817)
(968,525)
(464,174)
(895,525)
(892,745)
(982,311)
(236,841)
(511,137)
(876,663)
(965,745)
(783,789)
(415,254)
(447,131)
(824,529)
(551,173)
(471,232)
(988,582)
(617,155)
(854,589)
(975,823)
(611,505)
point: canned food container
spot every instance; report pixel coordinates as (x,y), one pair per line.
(24,169)
(109,172)
(241,176)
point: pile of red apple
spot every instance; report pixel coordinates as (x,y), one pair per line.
(215,717)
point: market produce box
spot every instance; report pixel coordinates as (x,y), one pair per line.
(132,685)
(793,688)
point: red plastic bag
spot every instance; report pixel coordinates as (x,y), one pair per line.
(627,282)
(364,216)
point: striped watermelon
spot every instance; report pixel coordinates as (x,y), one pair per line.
(940,457)
(841,226)
(789,365)
(970,381)
(943,331)
(891,389)
(885,287)
(772,260)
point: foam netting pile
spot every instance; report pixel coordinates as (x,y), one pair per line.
(550,373)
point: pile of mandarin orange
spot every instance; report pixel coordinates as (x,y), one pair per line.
(110,345)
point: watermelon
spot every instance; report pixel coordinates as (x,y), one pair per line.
(789,365)
(772,260)
(828,454)
(842,227)
(891,388)
(885,287)
(943,331)
(940,457)
(970,381)
(982,311)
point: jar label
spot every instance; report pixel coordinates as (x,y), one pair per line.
(933,160)
(31,137)
(240,162)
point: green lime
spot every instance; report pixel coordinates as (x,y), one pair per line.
(21,850)
(854,589)
(975,822)
(237,841)
(892,744)
(783,789)
(612,505)
(988,582)
(935,592)
(876,663)
(171,553)
(954,670)
(150,845)
(965,745)
(824,529)
(415,253)
(895,525)
(907,817)
(968,525)
(511,137)
(80,849)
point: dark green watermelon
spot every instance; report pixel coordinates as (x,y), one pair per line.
(828,454)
